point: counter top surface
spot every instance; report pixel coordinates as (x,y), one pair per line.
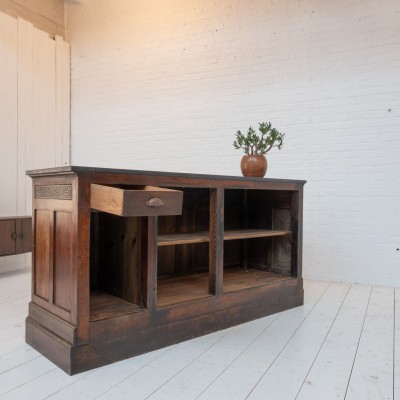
(90,170)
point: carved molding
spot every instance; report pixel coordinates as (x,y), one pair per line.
(59,192)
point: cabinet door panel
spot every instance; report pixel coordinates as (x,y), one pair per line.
(43,253)
(63,260)
(24,232)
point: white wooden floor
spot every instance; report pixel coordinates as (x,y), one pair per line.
(342,344)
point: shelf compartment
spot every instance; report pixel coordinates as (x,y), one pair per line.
(241,278)
(136,201)
(193,287)
(104,306)
(182,289)
(172,239)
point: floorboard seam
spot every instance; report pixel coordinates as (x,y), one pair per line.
(319,350)
(358,343)
(291,337)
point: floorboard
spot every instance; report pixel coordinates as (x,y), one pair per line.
(285,376)
(344,343)
(329,374)
(239,378)
(372,374)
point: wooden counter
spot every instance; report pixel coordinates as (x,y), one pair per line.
(125,261)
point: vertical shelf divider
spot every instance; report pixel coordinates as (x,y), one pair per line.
(216,247)
(245,224)
(296,227)
(149,263)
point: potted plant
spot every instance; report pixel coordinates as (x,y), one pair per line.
(255,147)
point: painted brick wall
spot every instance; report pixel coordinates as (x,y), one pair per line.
(164,85)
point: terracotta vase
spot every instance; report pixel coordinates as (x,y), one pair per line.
(255,166)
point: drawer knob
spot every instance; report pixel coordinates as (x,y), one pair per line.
(154,202)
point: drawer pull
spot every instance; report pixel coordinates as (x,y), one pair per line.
(154,202)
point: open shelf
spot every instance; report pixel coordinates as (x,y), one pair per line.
(192,287)
(182,289)
(241,278)
(172,239)
(104,306)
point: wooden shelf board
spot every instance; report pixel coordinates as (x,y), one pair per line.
(104,306)
(193,287)
(171,239)
(240,278)
(182,289)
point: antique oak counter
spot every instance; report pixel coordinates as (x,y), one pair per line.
(125,261)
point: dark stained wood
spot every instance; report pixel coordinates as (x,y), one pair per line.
(104,306)
(80,303)
(182,289)
(216,248)
(144,251)
(151,290)
(116,255)
(24,235)
(45,251)
(127,324)
(119,286)
(114,172)
(63,329)
(199,237)
(15,235)
(166,255)
(49,344)
(281,256)
(192,287)
(296,216)
(195,217)
(8,236)
(240,278)
(43,285)
(62,277)
(191,324)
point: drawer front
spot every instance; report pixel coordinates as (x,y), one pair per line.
(136,202)
(153,202)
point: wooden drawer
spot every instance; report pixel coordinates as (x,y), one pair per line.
(136,201)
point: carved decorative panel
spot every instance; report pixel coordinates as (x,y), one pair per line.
(59,192)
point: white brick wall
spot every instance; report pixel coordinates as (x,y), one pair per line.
(164,85)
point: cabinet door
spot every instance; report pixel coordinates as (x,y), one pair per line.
(24,235)
(7,237)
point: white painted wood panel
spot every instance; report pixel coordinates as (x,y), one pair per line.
(34,114)
(283,379)
(214,362)
(372,375)
(63,96)
(239,377)
(25,53)
(244,354)
(100,381)
(9,144)
(8,114)
(329,374)
(44,104)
